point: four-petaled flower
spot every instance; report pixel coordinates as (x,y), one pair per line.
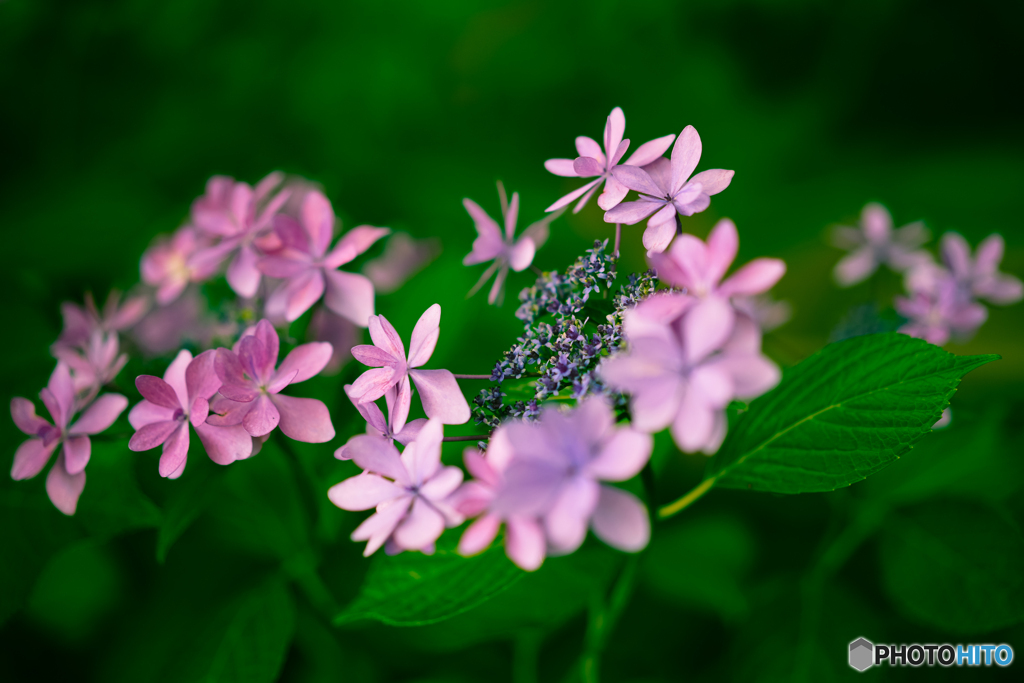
(439,391)
(251,391)
(408,490)
(506,252)
(170,404)
(81,321)
(938,309)
(377,425)
(975,277)
(169,265)
(666,189)
(66,479)
(309,269)
(592,161)
(875,243)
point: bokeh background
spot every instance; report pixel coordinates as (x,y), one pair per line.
(115,113)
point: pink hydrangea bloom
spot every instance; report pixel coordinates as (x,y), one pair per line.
(169,265)
(524,533)
(250,394)
(592,161)
(170,404)
(66,479)
(239,216)
(666,189)
(939,309)
(80,322)
(377,425)
(403,257)
(506,252)
(408,490)
(439,391)
(976,277)
(875,243)
(682,375)
(93,365)
(310,271)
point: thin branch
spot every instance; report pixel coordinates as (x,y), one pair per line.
(472,376)
(475,437)
(618,238)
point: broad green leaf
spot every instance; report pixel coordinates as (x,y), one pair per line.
(185,502)
(412,589)
(841,415)
(957,565)
(112,502)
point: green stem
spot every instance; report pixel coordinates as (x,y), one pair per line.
(685,501)
(305,478)
(525,653)
(603,617)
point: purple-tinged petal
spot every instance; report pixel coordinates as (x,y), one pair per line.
(621,520)
(374,383)
(410,431)
(566,521)
(877,223)
(399,401)
(499,283)
(572,196)
(24,414)
(377,455)
(480,467)
(255,360)
(688,199)
(317,218)
(243,275)
(306,361)
(622,456)
(378,527)
(562,167)
(286,264)
(614,129)
(175,453)
(442,484)
(349,295)
(587,167)
(660,230)
(752,375)
(614,193)
(144,413)
(706,327)
(479,535)
(363,491)
(587,147)
(263,416)
(175,376)
(77,450)
(524,542)
(300,293)
(201,380)
(373,356)
(61,399)
(620,151)
(631,213)
(650,151)
(522,254)
(956,254)
(655,403)
(199,411)
(157,391)
(353,243)
(511,216)
(713,385)
(422,457)
(636,178)
(226,413)
(100,415)
(694,426)
(420,528)
(1000,289)
(441,396)
(267,335)
(967,317)
(371,413)
(152,435)
(723,243)
(488,243)
(756,277)
(30,458)
(989,254)
(530,487)
(856,266)
(64,489)
(235,385)
(304,419)
(425,334)
(713,180)
(685,156)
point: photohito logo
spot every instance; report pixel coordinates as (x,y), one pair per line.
(864,654)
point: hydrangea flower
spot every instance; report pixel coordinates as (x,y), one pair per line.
(408,490)
(976,277)
(393,370)
(169,265)
(592,161)
(938,309)
(377,425)
(309,270)
(506,252)
(170,404)
(66,479)
(768,313)
(683,375)
(666,189)
(875,243)
(252,383)
(93,365)
(239,216)
(403,257)
(80,322)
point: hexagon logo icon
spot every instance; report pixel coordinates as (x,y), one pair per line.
(862,654)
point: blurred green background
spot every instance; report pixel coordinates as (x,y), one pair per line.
(115,113)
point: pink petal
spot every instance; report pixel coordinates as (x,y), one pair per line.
(422,457)
(144,413)
(756,277)
(152,435)
(496,288)
(410,431)
(631,213)
(175,453)
(77,450)
(255,360)
(30,458)
(373,356)
(712,385)
(571,197)
(304,419)
(650,151)
(636,178)
(263,416)
(622,456)
(377,455)
(353,243)
(562,167)
(59,396)
(23,412)
(706,327)
(752,375)
(63,488)
(399,400)
(614,129)
(1000,289)
(235,385)
(877,223)
(694,426)
(363,492)
(287,264)
(957,254)
(524,542)
(421,527)
(479,535)
(369,410)
(317,219)
(243,275)
(566,521)
(685,156)
(660,230)
(856,266)
(989,254)
(587,167)
(349,295)
(713,180)
(441,396)
(306,360)
(587,147)
(225,445)
(621,520)
(199,411)
(522,254)
(511,216)
(175,376)
(723,243)
(100,415)
(201,380)
(614,193)
(425,334)
(301,292)
(267,335)
(488,243)
(373,384)
(225,413)
(378,527)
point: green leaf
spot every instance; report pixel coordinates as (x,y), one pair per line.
(412,589)
(187,499)
(955,564)
(841,415)
(112,502)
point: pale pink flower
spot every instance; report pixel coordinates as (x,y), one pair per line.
(403,257)
(875,243)
(939,310)
(408,490)
(186,319)
(592,161)
(341,333)
(506,252)
(310,271)
(763,310)
(682,375)
(524,533)
(239,216)
(377,425)
(439,391)
(251,391)
(93,365)
(66,479)
(169,266)
(976,277)
(170,404)
(81,321)
(666,189)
